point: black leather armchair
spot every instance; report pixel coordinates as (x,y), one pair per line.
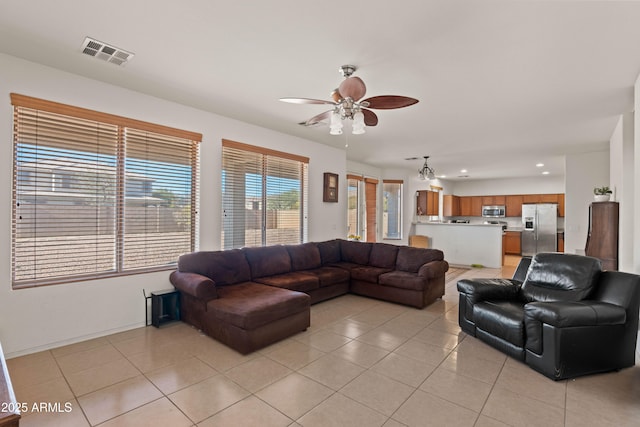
(560,314)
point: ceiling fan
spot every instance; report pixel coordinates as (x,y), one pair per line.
(347,104)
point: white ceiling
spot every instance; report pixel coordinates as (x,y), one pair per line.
(502,85)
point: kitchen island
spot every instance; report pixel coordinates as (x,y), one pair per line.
(465,244)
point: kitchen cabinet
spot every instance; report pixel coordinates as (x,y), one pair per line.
(493,200)
(561,242)
(512,242)
(465,206)
(472,205)
(427,202)
(560,198)
(476,205)
(513,205)
(450,205)
(531,198)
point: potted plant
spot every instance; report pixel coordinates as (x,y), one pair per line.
(602,194)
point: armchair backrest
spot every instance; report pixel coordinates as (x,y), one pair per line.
(560,277)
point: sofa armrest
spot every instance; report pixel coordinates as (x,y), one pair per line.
(562,314)
(489,289)
(196,285)
(433,269)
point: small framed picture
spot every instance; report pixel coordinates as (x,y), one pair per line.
(330,193)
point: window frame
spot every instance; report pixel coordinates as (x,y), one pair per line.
(189,146)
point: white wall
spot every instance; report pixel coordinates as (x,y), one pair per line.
(583,173)
(622,183)
(489,187)
(45,317)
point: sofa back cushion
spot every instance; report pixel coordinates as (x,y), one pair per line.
(223,267)
(355,252)
(329,251)
(268,260)
(410,259)
(383,255)
(304,257)
(560,277)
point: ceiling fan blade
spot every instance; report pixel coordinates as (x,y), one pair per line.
(352,87)
(306,101)
(317,119)
(370,118)
(389,102)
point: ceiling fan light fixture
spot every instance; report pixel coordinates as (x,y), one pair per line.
(358,123)
(336,124)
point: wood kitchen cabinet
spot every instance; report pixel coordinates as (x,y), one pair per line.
(427,203)
(465,206)
(561,242)
(450,205)
(531,198)
(560,198)
(472,205)
(513,205)
(512,242)
(476,205)
(493,200)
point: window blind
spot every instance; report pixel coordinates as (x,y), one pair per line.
(392,209)
(264,197)
(94,198)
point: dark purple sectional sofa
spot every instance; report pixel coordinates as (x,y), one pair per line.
(252,297)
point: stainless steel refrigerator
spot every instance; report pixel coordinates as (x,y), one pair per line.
(539,228)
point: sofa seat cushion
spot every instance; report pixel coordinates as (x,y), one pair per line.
(503,319)
(296,281)
(329,276)
(250,305)
(368,274)
(402,280)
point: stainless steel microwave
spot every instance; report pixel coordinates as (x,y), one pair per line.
(493,211)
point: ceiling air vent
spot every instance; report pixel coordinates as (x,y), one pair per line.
(105,52)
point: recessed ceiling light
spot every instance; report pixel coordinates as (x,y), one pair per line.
(545,173)
(442,176)
(539,165)
(463,171)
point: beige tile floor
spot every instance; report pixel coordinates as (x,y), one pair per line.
(362,363)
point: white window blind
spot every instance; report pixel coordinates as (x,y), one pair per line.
(392,209)
(354,212)
(94,197)
(264,197)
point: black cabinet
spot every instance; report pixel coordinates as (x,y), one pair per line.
(165,307)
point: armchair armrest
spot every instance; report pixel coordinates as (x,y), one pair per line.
(196,285)
(562,314)
(485,289)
